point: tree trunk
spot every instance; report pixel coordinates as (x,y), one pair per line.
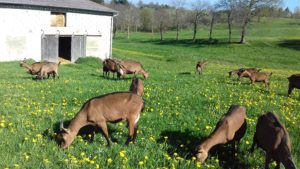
(246,21)
(211,26)
(177,31)
(115,31)
(161,33)
(229,27)
(177,24)
(128,31)
(195,31)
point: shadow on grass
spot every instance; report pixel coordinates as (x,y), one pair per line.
(184,144)
(177,138)
(291,44)
(184,73)
(110,78)
(191,43)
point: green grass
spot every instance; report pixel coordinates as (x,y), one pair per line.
(181,108)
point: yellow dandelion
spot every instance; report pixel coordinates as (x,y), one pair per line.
(109,160)
(141,162)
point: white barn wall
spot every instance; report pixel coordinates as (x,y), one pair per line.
(21,32)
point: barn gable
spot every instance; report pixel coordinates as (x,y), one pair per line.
(46,30)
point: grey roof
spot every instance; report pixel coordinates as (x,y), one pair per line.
(79,6)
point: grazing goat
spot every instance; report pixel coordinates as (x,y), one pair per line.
(200,66)
(33,68)
(110,65)
(132,67)
(294,82)
(231,127)
(239,71)
(113,107)
(257,77)
(47,69)
(272,136)
(136,86)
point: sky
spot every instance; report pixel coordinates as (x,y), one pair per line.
(292,4)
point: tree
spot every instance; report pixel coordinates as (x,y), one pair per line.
(199,10)
(123,2)
(229,7)
(178,4)
(248,6)
(99,1)
(162,20)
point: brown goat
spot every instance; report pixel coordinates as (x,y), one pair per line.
(294,82)
(98,111)
(132,67)
(47,69)
(240,71)
(257,77)
(272,136)
(231,127)
(200,66)
(136,86)
(110,65)
(32,68)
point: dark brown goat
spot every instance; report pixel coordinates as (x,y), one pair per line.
(294,82)
(272,136)
(238,72)
(231,127)
(110,65)
(136,86)
(200,66)
(132,67)
(98,111)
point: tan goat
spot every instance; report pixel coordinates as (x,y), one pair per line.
(200,66)
(47,69)
(132,67)
(32,68)
(257,77)
(98,111)
(231,127)
(272,136)
(136,86)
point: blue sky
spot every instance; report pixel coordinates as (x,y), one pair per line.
(286,3)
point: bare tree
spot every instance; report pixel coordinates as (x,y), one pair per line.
(178,4)
(199,9)
(162,20)
(248,6)
(214,16)
(229,7)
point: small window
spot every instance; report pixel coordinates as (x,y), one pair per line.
(58,19)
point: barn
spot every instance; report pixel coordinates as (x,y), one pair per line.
(49,29)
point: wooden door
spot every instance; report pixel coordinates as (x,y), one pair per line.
(50,48)
(78,47)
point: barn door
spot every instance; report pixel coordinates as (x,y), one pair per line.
(78,47)
(50,48)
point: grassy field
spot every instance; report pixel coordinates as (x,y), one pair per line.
(181,108)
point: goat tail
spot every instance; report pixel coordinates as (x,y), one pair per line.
(270,74)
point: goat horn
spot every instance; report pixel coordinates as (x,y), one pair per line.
(61,126)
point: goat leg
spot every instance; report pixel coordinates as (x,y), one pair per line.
(268,159)
(103,126)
